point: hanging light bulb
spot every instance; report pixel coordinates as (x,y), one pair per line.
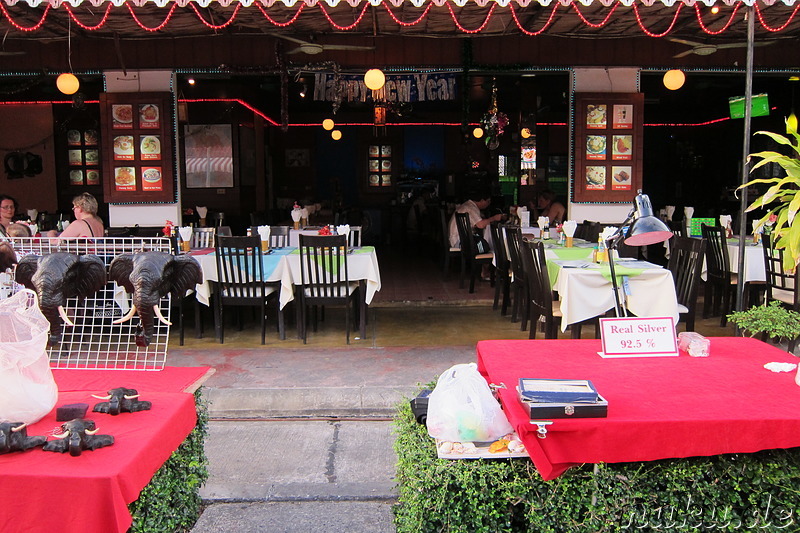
(374,79)
(525,133)
(68,83)
(327,124)
(674,79)
(336,135)
(477,133)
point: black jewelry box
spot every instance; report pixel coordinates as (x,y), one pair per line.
(592,406)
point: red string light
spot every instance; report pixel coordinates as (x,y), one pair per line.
(779,28)
(532,33)
(648,32)
(147,28)
(705,28)
(585,21)
(85,26)
(479,28)
(201,19)
(23,28)
(281,24)
(344,28)
(400,22)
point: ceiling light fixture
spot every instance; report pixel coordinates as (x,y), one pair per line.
(336,135)
(327,124)
(674,79)
(374,79)
(67,82)
(477,133)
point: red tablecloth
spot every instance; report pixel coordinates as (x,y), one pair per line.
(658,407)
(48,491)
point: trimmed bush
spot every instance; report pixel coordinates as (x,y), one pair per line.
(732,492)
(171,503)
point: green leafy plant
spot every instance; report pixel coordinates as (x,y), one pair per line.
(732,492)
(171,501)
(781,198)
(774,320)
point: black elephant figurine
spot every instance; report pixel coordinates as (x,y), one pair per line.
(14,438)
(56,277)
(78,435)
(121,400)
(148,276)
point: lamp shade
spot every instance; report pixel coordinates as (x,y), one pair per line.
(374,79)
(327,124)
(336,135)
(646,228)
(674,79)
(68,83)
(477,133)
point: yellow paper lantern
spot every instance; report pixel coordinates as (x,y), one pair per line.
(526,133)
(327,124)
(791,123)
(374,79)
(477,133)
(674,79)
(67,83)
(336,135)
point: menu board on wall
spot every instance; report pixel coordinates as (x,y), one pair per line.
(139,160)
(83,156)
(608,147)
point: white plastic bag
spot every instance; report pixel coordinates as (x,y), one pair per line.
(27,388)
(461,408)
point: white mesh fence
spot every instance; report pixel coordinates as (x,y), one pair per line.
(94,341)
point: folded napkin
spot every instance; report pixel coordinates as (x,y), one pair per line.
(607,232)
(524,218)
(344,229)
(688,212)
(311,209)
(670,211)
(263,232)
(65,224)
(201,211)
(304,213)
(34,228)
(725,221)
(32,214)
(186,233)
(543,222)
(757,228)
(780,367)
(569,227)
(297,214)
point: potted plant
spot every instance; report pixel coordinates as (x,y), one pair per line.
(771,321)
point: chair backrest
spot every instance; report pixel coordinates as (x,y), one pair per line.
(501,261)
(590,231)
(778,277)
(534,265)
(686,265)
(354,237)
(203,237)
(467,241)
(444,229)
(717,261)
(323,267)
(225,231)
(677,228)
(278,235)
(514,247)
(240,270)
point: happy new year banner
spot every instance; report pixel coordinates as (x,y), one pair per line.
(398,88)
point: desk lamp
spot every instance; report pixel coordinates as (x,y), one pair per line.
(641,228)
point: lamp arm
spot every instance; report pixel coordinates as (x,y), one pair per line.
(613,241)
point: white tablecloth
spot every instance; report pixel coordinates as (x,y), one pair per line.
(294,235)
(362,265)
(585,293)
(754,269)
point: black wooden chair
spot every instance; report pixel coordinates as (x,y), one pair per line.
(241,282)
(324,279)
(519,282)
(472,260)
(502,268)
(542,307)
(686,264)
(448,252)
(782,283)
(720,281)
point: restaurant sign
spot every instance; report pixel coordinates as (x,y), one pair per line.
(398,88)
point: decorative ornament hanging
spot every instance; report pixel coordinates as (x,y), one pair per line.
(494,122)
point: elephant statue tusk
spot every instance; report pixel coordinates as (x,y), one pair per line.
(18,428)
(91,431)
(160,316)
(101,397)
(131,397)
(126,317)
(63,315)
(61,435)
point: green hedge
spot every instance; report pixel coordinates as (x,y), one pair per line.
(171,501)
(736,492)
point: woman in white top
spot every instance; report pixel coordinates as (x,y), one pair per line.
(87,223)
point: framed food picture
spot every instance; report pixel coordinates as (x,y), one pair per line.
(607,147)
(74,138)
(138,158)
(76,177)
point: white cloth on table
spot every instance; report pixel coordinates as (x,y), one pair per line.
(474,213)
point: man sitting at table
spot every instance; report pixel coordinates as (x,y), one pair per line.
(479,200)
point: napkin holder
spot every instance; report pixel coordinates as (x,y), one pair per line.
(546,399)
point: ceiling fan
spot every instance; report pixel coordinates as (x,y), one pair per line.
(311,48)
(705,49)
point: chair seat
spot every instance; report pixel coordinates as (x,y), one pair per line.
(682,309)
(351,288)
(455,249)
(253,292)
(557,309)
(783,295)
(489,256)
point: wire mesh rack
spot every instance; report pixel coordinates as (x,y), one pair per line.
(95,341)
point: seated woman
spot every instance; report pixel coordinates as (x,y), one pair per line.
(8,208)
(548,206)
(87,223)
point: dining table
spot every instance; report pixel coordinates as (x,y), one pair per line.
(754,268)
(658,407)
(585,288)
